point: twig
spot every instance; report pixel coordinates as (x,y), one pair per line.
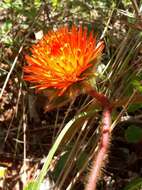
(107,24)
(24,167)
(24,150)
(135,5)
(9,73)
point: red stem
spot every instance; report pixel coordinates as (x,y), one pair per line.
(104,142)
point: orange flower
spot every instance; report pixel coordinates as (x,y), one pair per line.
(60,58)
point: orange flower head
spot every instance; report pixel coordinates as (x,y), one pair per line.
(61,58)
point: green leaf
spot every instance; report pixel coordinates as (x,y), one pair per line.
(134,107)
(54,3)
(133,134)
(7,1)
(30,185)
(4,32)
(37,3)
(54,148)
(135,184)
(81,160)
(6,27)
(126,2)
(3,171)
(60,165)
(137,84)
(51,154)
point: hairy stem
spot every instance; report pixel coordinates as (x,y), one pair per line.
(104,141)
